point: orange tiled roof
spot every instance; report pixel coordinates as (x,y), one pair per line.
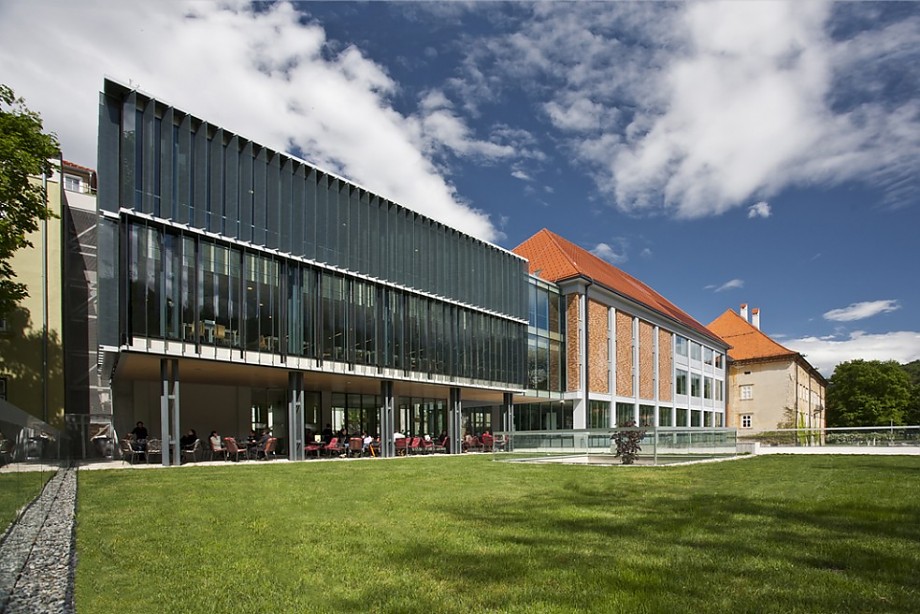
(748,343)
(555,259)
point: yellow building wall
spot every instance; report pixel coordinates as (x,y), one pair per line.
(23,350)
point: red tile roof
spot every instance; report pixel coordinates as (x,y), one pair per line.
(555,259)
(748,343)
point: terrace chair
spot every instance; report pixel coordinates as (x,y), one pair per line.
(500,443)
(439,445)
(356,446)
(427,445)
(486,442)
(415,445)
(270,446)
(191,452)
(217,451)
(313,448)
(334,447)
(401,445)
(154,447)
(233,450)
(128,453)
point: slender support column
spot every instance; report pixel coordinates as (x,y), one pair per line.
(387,420)
(169,411)
(508,418)
(454,413)
(295,416)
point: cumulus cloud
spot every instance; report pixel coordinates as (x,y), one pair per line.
(614,254)
(826,353)
(267,72)
(732,284)
(861,311)
(761,209)
(700,107)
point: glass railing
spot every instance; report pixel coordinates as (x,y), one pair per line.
(656,445)
(863,436)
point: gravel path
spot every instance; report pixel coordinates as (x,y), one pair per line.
(37,556)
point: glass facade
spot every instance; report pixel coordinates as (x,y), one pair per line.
(543,416)
(191,288)
(545,345)
(175,167)
(598,415)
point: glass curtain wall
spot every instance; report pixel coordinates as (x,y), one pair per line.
(543,416)
(176,167)
(545,351)
(192,288)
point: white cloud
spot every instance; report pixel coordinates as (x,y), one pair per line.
(261,72)
(761,209)
(826,353)
(861,311)
(519,174)
(612,254)
(732,284)
(697,108)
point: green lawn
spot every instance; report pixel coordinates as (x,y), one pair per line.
(770,534)
(17,488)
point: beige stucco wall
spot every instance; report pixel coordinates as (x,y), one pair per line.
(22,346)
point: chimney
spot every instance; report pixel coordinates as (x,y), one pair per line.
(755,317)
(743,311)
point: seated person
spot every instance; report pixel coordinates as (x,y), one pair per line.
(263,442)
(216,444)
(367,441)
(327,433)
(188,440)
(139,437)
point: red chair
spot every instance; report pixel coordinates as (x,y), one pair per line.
(312,448)
(401,445)
(334,447)
(487,441)
(270,448)
(234,450)
(427,445)
(414,446)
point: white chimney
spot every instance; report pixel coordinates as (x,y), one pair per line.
(755,317)
(743,311)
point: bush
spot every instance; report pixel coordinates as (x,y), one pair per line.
(627,442)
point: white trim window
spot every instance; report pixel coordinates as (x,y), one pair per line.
(72,183)
(747,421)
(747,392)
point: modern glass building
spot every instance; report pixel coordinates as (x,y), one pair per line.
(240,287)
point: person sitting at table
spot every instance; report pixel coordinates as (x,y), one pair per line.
(216,443)
(367,440)
(188,440)
(327,433)
(139,434)
(263,441)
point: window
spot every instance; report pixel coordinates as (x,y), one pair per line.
(718,390)
(746,420)
(695,350)
(695,385)
(680,345)
(707,388)
(625,413)
(681,382)
(707,356)
(664,416)
(73,183)
(747,392)
(718,360)
(599,415)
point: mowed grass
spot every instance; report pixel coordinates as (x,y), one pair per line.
(769,534)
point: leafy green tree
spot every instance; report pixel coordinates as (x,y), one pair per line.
(868,393)
(25,150)
(913,372)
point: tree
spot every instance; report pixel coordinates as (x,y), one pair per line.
(913,373)
(25,151)
(868,393)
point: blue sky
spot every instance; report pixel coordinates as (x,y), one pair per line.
(760,153)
